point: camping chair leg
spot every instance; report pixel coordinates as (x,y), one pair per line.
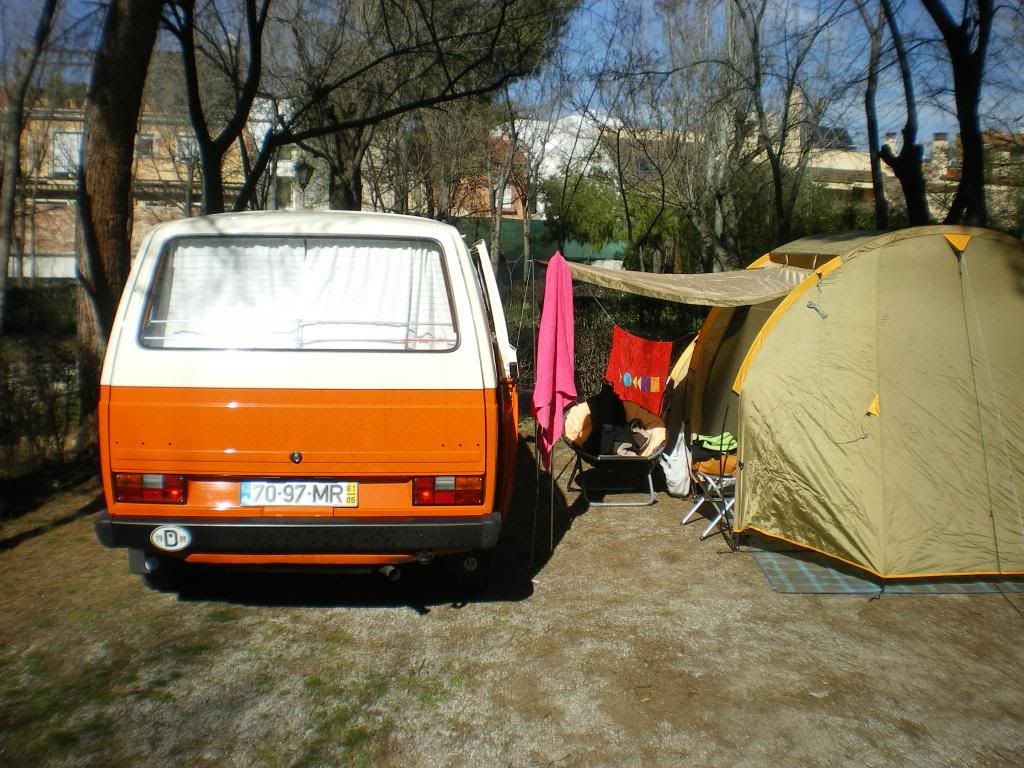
(582,488)
(698,502)
(723,522)
(572,478)
(713,524)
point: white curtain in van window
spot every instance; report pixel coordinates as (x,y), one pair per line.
(261,293)
(384,294)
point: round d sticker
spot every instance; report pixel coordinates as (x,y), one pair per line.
(170,538)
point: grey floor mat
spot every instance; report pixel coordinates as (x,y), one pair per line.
(801,571)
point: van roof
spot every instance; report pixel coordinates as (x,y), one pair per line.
(305,223)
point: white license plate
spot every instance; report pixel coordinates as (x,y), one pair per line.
(297,493)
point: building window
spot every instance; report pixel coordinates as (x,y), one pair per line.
(144,145)
(506,199)
(67,149)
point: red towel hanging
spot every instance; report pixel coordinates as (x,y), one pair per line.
(638,368)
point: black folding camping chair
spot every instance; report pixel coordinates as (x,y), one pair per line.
(621,460)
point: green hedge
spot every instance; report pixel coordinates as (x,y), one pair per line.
(45,310)
(39,390)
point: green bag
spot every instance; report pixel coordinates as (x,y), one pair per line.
(723,443)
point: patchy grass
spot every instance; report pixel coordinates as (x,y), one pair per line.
(349,726)
(639,645)
(223,615)
(350,723)
(56,706)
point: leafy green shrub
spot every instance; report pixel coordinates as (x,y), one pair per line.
(39,390)
(47,310)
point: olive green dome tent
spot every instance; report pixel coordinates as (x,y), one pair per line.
(879,404)
(881,408)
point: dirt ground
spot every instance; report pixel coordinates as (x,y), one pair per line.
(630,644)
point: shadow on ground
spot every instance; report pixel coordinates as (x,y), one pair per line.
(26,493)
(536,525)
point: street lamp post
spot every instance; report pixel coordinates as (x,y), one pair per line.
(303,173)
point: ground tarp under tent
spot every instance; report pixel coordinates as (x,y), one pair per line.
(879,404)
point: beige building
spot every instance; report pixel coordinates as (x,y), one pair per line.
(848,170)
(166,185)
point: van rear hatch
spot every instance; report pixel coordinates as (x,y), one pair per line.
(220,438)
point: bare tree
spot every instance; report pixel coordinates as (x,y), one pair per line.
(875,32)
(501,160)
(531,126)
(787,130)
(907,165)
(214,36)
(454,151)
(577,142)
(14,122)
(966,43)
(685,137)
(711,112)
(352,66)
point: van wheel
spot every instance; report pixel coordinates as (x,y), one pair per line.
(473,570)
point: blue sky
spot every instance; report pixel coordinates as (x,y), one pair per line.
(592,35)
(1003,97)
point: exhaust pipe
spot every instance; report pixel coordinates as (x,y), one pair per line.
(391,573)
(425,556)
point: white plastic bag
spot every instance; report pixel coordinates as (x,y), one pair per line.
(676,465)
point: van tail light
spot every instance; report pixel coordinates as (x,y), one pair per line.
(447,491)
(149,489)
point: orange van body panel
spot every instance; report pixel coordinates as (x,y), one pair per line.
(219,437)
(103,430)
(254,431)
(509,443)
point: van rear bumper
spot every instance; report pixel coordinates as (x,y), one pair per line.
(261,535)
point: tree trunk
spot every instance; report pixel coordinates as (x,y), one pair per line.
(344,188)
(527,220)
(968,69)
(497,198)
(908,167)
(969,206)
(620,180)
(213,180)
(11,163)
(677,256)
(105,197)
(782,234)
(871,115)
(908,164)
(13,120)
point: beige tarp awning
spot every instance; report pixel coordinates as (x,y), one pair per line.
(713,289)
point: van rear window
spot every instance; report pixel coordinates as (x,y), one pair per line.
(300,293)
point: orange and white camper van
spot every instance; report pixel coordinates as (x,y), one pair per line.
(319,389)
